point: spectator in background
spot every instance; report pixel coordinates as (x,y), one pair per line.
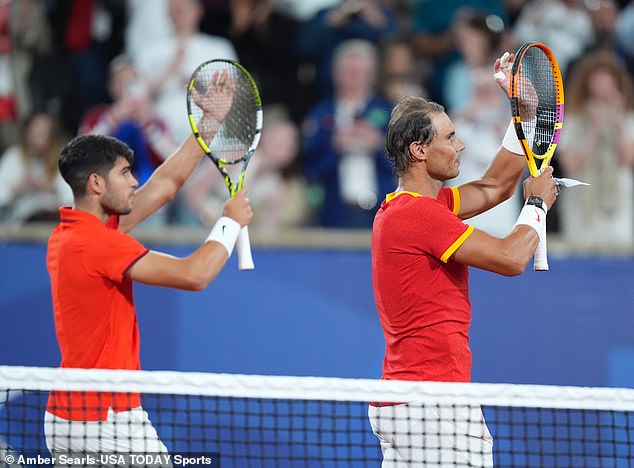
(24,36)
(90,34)
(597,146)
(343,137)
(273,185)
(166,65)
(263,37)
(348,19)
(31,188)
(402,9)
(481,122)
(604,15)
(434,38)
(478,110)
(479,39)
(514,9)
(130,119)
(148,22)
(401,74)
(565,26)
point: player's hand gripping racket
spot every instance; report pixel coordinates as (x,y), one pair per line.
(537,107)
(225,113)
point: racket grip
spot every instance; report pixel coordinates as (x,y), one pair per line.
(540,259)
(245,259)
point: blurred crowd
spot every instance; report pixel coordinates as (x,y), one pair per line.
(329,72)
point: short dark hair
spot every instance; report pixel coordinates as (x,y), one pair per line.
(410,121)
(87,154)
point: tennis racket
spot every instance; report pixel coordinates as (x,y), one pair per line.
(537,107)
(225,84)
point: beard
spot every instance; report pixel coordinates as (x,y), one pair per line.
(117,206)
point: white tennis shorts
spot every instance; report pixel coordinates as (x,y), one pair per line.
(123,433)
(432,435)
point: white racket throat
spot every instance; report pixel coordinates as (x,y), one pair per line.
(245,258)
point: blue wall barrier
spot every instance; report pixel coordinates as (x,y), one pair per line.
(311,312)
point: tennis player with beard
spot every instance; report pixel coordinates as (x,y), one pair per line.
(421,252)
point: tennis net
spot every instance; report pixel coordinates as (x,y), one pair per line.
(231,420)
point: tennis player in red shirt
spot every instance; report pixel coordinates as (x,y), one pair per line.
(92,262)
(421,251)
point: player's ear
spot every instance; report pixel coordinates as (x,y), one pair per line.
(418,150)
(96,184)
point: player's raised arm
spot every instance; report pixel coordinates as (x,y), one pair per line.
(503,174)
(170,176)
(532,81)
(497,185)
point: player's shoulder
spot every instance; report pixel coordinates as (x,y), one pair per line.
(79,224)
(410,206)
(448,196)
(401,206)
(407,199)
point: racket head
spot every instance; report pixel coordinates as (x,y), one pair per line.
(536,80)
(238,135)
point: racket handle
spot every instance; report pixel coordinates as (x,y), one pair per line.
(540,260)
(245,259)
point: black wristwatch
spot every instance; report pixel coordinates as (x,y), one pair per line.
(536,201)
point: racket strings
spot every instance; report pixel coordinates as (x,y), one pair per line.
(537,89)
(236,137)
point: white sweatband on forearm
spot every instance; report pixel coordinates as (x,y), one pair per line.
(534,217)
(226,232)
(510,141)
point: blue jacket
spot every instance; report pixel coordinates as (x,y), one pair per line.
(321,163)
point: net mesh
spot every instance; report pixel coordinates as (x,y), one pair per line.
(194,419)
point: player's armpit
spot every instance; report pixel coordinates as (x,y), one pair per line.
(193,273)
(507,256)
(498,184)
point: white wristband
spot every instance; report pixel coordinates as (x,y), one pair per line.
(510,141)
(534,217)
(225,231)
